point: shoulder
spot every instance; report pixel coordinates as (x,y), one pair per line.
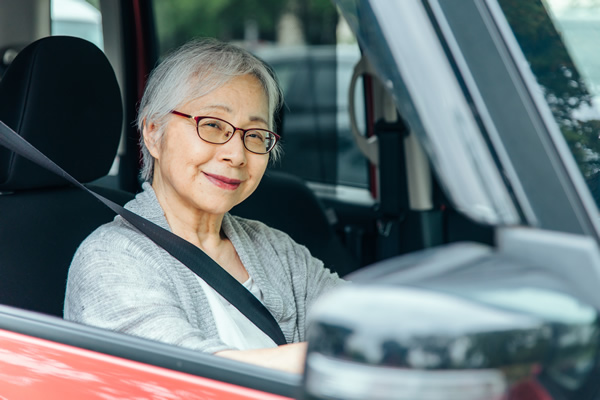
(116,256)
(111,247)
(251,225)
(258,232)
(115,235)
(118,242)
(272,248)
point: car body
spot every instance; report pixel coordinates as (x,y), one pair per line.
(477,232)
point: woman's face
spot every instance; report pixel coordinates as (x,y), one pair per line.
(199,177)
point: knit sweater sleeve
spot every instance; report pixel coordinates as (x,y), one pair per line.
(291,278)
(310,278)
(119,281)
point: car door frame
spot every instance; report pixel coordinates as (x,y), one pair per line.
(529,147)
(130,348)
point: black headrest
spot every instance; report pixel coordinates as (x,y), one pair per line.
(61,94)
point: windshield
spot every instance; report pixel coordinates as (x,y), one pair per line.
(560,40)
(420,79)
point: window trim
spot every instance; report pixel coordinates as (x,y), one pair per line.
(148,352)
(535,148)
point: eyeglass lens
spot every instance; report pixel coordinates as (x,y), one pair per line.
(217,131)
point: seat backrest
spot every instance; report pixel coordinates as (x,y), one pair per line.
(284,201)
(61,95)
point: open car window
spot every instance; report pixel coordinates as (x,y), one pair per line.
(313,53)
(474,189)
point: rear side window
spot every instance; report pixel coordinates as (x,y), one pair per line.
(78,18)
(313,54)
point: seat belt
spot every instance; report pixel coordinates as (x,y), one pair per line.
(187,253)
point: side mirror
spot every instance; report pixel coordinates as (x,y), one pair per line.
(459,322)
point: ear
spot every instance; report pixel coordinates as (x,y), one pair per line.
(151,139)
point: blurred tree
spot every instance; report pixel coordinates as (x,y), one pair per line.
(95,3)
(319,18)
(181,20)
(564,88)
(239,20)
(263,13)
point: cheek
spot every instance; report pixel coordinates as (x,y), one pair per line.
(259,167)
(184,152)
(256,170)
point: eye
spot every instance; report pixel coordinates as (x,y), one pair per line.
(256,136)
(208,123)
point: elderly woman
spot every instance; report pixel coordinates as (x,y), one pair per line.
(206,120)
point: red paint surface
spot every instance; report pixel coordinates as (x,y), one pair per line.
(33,368)
(528,390)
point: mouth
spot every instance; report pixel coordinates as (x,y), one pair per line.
(223,182)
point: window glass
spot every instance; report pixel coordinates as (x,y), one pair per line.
(560,41)
(83,19)
(313,55)
(78,18)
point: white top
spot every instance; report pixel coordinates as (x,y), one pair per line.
(234,328)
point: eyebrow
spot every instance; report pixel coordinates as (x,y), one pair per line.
(253,118)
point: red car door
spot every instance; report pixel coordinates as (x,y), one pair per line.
(34,368)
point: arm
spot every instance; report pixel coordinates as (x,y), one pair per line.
(288,358)
(126,286)
(319,279)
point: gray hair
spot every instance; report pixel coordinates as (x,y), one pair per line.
(194,70)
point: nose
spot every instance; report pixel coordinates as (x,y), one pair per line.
(234,150)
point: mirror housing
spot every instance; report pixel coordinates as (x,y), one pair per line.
(464,321)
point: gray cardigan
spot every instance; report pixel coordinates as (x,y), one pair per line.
(120,280)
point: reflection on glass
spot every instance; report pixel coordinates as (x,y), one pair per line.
(560,41)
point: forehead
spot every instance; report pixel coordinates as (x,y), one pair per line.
(243,94)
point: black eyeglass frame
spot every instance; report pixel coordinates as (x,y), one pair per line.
(235,129)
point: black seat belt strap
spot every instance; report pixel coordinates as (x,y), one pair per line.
(187,253)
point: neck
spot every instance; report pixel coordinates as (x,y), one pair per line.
(199,228)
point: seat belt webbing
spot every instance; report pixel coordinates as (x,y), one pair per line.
(188,254)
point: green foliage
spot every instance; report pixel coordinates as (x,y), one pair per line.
(180,20)
(95,3)
(564,88)
(319,18)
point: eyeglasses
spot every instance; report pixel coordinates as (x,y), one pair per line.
(218,131)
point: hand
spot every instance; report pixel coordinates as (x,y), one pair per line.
(288,357)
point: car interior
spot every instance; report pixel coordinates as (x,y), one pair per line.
(40,203)
(41,99)
(355,185)
(41,96)
(64,96)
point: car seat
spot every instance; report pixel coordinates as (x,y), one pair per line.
(61,94)
(294,209)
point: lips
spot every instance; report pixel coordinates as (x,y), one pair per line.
(223,182)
